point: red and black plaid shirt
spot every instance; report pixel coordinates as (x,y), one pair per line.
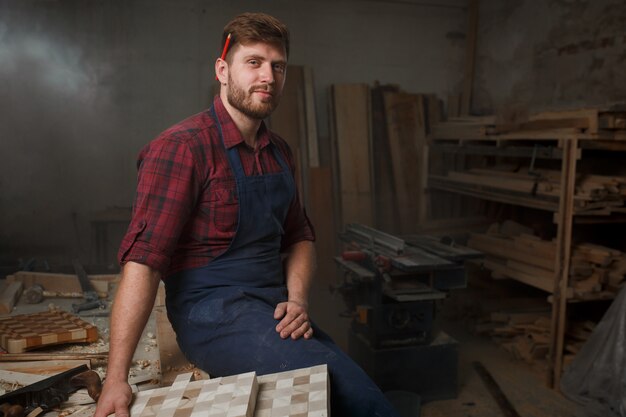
(185,211)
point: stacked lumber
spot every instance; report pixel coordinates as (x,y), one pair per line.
(595,271)
(594,194)
(467,127)
(591,122)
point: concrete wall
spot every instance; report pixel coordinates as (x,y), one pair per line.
(539,55)
(84,84)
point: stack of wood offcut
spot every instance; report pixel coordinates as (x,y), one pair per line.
(513,251)
(594,194)
(526,334)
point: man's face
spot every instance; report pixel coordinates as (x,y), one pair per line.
(256,78)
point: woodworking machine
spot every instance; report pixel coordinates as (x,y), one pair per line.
(391,286)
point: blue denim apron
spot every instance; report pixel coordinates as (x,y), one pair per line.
(223,313)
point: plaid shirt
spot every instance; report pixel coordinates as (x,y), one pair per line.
(185,210)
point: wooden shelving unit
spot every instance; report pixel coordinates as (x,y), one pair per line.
(557,136)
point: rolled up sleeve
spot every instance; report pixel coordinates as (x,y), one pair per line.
(167,189)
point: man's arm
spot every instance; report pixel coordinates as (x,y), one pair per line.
(299,271)
(133,303)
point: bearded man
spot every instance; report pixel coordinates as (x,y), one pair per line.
(217,217)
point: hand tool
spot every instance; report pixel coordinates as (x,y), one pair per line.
(49,393)
(89,293)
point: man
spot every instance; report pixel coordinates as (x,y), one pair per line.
(216,212)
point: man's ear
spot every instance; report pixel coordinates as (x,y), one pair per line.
(221,71)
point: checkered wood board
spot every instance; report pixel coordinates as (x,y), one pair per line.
(298,393)
(30,331)
(231,396)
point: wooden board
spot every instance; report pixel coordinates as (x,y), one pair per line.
(63,283)
(45,367)
(320,212)
(11,292)
(351,117)
(406,132)
(302,392)
(385,207)
(231,396)
(30,331)
(171,359)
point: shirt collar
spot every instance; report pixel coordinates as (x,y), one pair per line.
(232,135)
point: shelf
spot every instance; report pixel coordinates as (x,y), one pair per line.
(538,152)
(493,194)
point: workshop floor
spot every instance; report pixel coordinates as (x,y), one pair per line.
(523,386)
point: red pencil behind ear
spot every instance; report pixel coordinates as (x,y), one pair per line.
(225,50)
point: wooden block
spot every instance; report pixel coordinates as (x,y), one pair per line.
(302,392)
(171,359)
(30,331)
(10,294)
(231,396)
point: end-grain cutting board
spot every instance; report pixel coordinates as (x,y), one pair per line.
(30,331)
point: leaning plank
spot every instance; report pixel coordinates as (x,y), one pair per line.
(406,131)
(10,294)
(171,359)
(351,114)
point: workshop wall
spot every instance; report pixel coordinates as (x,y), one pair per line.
(539,55)
(85,84)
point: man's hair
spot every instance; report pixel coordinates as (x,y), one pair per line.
(255,27)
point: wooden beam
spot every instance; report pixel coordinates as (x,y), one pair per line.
(470,58)
(351,107)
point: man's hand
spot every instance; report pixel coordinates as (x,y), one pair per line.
(295,320)
(115,398)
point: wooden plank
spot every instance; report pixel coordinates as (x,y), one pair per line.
(531,280)
(564,252)
(507,249)
(386,210)
(63,283)
(171,359)
(352,135)
(43,367)
(407,139)
(320,208)
(289,121)
(590,114)
(11,292)
(311,118)
(470,57)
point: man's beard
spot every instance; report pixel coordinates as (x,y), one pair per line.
(243,102)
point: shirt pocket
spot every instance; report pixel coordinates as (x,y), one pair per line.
(220,205)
